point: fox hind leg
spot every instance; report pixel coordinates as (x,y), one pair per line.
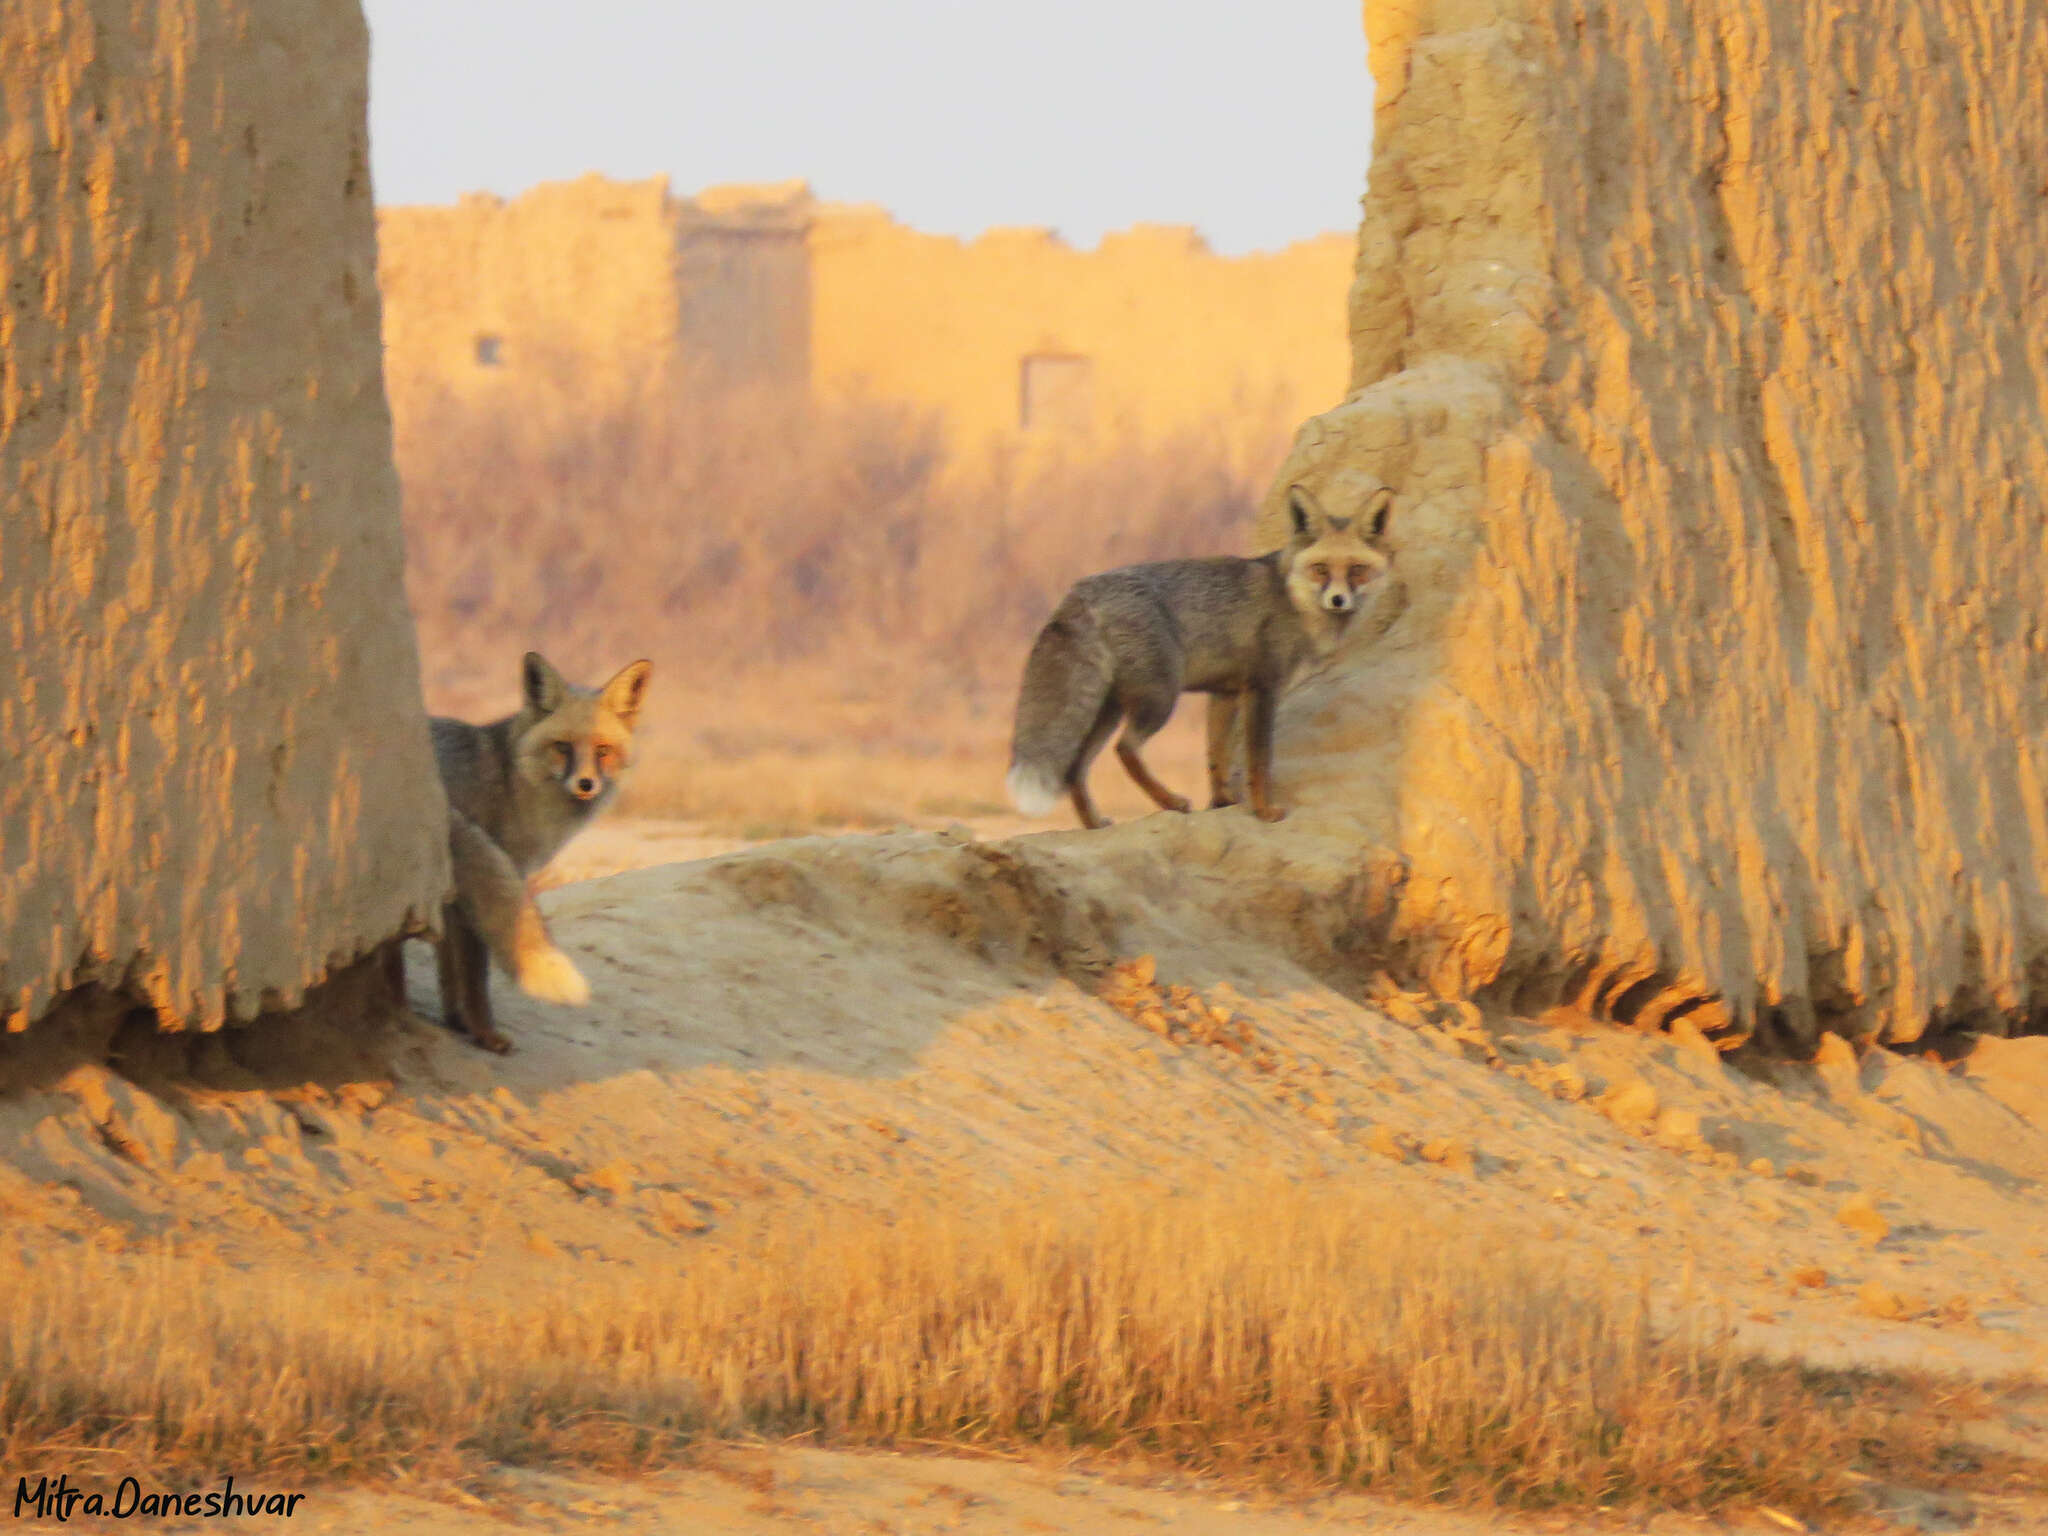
(1144,718)
(468,958)
(1091,745)
(464,962)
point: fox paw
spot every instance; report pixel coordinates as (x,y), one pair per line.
(1271,813)
(552,977)
(491,1040)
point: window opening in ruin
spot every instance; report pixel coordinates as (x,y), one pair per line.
(1056,393)
(490,351)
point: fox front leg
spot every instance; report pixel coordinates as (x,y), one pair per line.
(1222,724)
(465,967)
(1260,708)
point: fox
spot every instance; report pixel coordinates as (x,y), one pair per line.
(1123,646)
(518,789)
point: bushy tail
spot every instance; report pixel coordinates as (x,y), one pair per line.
(1066,683)
(495,898)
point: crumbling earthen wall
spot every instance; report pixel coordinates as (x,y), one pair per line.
(564,299)
(1173,338)
(592,296)
(217,779)
(1702,341)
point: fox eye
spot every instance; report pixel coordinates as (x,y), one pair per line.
(1360,575)
(1320,572)
(606,755)
(564,753)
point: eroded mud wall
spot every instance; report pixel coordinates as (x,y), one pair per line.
(562,301)
(216,778)
(1703,343)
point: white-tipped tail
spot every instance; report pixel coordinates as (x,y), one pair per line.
(552,977)
(1033,790)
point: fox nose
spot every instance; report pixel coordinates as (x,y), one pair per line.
(1337,602)
(585,787)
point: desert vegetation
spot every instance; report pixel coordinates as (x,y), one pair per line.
(838,612)
(1302,1335)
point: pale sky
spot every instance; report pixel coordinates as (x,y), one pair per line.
(1249,119)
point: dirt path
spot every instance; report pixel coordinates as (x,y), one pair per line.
(770,1492)
(803,1491)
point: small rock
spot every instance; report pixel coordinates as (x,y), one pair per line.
(1834,1063)
(88,1085)
(1859,1213)
(1876,1300)
(677,1213)
(1631,1101)
(1401,1010)
(1810,1278)
(1387,1142)
(361,1097)
(1565,1081)
(1452,1154)
(614,1178)
(1678,1127)
(1688,1041)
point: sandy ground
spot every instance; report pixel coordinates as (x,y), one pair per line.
(858,1022)
(770,1492)
(803,1491)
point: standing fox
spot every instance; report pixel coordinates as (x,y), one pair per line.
(1125,645)
(518,789)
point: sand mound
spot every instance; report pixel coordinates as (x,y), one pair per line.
(869,1022)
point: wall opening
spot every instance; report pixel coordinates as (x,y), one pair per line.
(490,351)
(1056,393)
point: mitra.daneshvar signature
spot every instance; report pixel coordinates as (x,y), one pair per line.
(61,1499)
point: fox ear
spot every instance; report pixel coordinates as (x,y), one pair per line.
(623,693)
(1302,509)
(1376,512)
(541,684)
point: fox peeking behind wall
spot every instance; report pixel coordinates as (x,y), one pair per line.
(518,789)
(1124,645)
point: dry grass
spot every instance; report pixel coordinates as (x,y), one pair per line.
(743,535)
(835,611)
(1301,1335)
(791,757)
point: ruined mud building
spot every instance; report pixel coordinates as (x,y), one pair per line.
(589,295)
